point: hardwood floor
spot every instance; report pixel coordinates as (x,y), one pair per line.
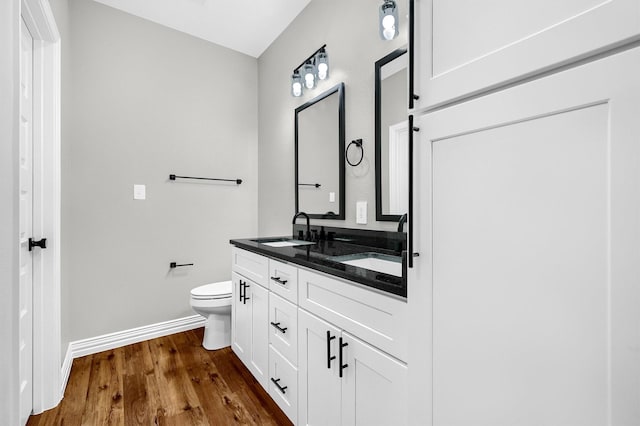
(171,380)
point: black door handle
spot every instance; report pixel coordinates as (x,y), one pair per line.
(412,95)
(329,357)
(41,243)
(280,329)
(240,292)
(412,129)
(280,388)
(342,366)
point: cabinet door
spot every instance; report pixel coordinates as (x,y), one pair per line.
(463,46)
(374,386)
(319,392)
(526,312)
(259,323)
(240,320)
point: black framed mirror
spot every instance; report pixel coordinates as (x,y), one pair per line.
(319,155)
(391,136)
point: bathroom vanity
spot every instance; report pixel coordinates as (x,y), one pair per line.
(325,336)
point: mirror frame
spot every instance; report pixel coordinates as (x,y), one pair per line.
(378,134)
(339,88)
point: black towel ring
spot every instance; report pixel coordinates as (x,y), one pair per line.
(358,143)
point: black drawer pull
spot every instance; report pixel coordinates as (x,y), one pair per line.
(280,329)
(279,280)
(280,388)
(329,357)
(342,366)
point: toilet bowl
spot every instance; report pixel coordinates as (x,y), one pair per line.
(213,301)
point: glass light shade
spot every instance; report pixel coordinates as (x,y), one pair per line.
(296,84)
(323,65)
(309,75)
(388,20)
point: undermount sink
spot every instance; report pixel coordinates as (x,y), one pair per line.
(378,262)
(282,242)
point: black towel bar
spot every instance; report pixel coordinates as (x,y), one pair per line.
(174,177)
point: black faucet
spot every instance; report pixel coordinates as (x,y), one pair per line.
(401,222)
(297,215)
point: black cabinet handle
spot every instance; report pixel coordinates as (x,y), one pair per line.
(280,329)
(412,20)
(244,296)
(280,388)
(279,280)
(342,366)
(240,292)
(41,243)
(329,357)
(412,129)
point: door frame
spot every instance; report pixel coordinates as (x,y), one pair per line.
(47,391)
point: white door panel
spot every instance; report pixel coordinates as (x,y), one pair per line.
(525,295)
(466,46)
(26,213)
(319,393)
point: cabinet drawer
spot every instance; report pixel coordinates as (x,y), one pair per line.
(283,327)
(375,318)
(283,384)
(250,265)
(283,280)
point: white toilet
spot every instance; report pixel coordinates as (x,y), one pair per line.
(213,301)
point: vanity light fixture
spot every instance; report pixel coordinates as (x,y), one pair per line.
(322,64)
(296,84)
(388,20)
(309,73)
(306,75)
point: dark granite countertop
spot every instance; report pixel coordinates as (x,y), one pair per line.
(340,242)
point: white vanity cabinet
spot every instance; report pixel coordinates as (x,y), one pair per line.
(464,47)
(309,315)
(344,381)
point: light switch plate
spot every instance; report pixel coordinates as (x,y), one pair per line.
(332,197)
(361,212)
(139,192)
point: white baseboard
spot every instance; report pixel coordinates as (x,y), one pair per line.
(118,339)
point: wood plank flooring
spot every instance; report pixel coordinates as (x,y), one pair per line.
(171,380)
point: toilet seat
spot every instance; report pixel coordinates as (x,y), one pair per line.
(220,290)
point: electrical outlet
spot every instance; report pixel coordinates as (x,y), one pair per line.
(332,197)
(361,212)
(139,192)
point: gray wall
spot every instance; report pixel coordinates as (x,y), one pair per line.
(9,68)
(350,30)
(143,101)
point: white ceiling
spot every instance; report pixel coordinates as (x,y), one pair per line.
(248,26)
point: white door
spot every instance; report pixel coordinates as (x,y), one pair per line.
(524,299)
(374,386)
(26,219)
(465,46)
(319,392)
(241,320)
(258,297)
